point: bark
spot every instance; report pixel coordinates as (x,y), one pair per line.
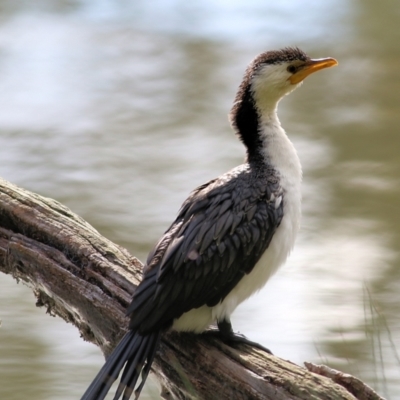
(88,281)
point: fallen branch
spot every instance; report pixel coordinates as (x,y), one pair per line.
(88,281)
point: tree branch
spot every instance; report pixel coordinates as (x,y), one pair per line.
(88,281)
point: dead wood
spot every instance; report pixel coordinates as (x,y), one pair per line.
(88,281)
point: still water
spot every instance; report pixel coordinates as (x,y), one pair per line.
(118,109)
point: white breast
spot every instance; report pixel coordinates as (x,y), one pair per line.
(280,153)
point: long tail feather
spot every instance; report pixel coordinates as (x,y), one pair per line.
(132,371)
(146,369)
(133,354)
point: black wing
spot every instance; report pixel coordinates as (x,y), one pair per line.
(221,232)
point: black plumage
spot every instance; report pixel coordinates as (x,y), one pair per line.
(219,235)
(232,242)
(214,241)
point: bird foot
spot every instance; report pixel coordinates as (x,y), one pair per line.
(241,339)
(226,334)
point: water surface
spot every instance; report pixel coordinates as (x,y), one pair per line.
(119,110)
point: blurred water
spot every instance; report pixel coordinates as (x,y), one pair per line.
(118,109)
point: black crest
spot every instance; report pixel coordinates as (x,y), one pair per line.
(287,54)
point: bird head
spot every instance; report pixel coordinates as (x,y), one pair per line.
(268,78)
(273,74)
(276,73)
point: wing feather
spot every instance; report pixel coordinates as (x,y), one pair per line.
(220,233)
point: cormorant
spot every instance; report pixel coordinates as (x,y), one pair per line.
(230,235)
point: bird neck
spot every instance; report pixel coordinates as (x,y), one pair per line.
(256,126)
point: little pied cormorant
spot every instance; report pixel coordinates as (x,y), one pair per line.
(230,235)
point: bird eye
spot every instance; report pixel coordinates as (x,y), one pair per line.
(291,69)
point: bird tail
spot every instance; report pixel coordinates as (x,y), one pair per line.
(134,354)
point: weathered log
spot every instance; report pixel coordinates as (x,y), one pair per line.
(88,281)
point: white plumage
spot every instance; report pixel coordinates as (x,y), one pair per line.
(268,87)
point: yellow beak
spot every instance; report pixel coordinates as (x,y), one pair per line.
(312,66)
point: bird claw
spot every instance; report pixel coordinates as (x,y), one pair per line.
(231,339)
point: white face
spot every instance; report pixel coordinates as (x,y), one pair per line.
(271,83)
